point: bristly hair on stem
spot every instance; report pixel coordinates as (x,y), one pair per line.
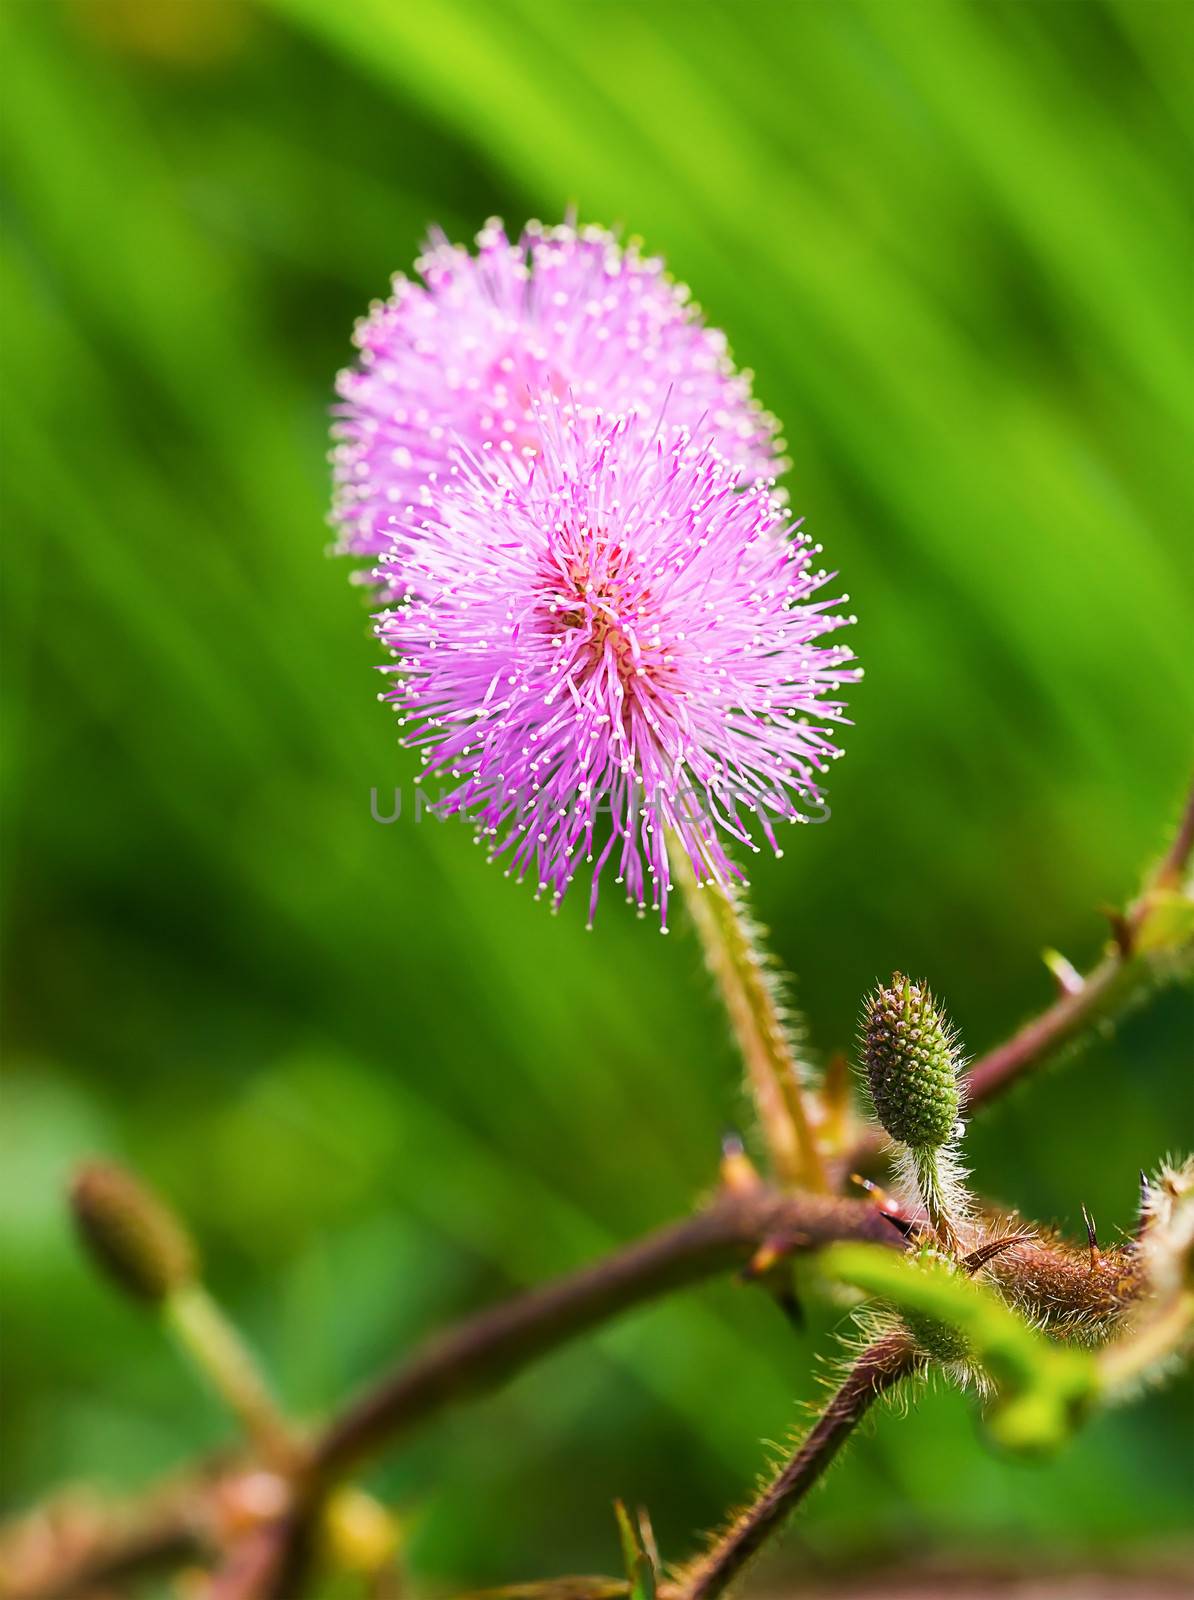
(878,1369)
(1161,1327)
(763,1023)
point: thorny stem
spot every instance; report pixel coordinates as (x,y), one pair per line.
(486,1350)
(878,1369)
(1121,977)
(748,992)
(471,1359)
(481,1353)
(1173,865)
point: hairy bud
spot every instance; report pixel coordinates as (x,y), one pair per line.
(130,1234)
(911,1065)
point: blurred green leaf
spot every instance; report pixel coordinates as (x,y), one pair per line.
(385,1085)
(1042,1387)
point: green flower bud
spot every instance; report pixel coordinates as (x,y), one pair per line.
(130,1234)
(911,1065)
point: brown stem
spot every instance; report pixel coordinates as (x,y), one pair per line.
(161,1538)
(269,1561)
(482,1352)
(491,1347)
(877,1370)
(1106,989)
(1123,976)
(268,1564)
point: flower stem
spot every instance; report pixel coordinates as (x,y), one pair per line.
(935,1196)
(748,991)
(877,1370)
(219,1352)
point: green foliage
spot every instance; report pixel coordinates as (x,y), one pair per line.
(640,1567)
(1169,926)
(381,1084)
(1041,1388)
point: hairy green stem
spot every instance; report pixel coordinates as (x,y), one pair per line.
(936,1195)
(748,992)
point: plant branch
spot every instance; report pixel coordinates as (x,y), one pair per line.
(1175,863)
(749,991)
(270,1559)
(269,1562)
(483,1352)
(878,1369)
(1124,1365)
(1125,973)
(44,1559)
(479,1355)
(1149,943)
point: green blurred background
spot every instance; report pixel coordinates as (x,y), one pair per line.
(954,243)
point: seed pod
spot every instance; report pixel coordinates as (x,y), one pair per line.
(130,1234)
(911,1065)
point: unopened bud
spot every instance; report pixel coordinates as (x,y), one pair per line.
(911,1065)
(131,1234)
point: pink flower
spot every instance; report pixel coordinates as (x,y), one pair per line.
(465,355)
(613,640)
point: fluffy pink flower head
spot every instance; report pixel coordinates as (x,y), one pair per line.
(618,642)
(465,354)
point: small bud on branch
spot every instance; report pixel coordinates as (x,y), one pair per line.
(913,1071)
(130,1234)
(911,1064)
(140,1245)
